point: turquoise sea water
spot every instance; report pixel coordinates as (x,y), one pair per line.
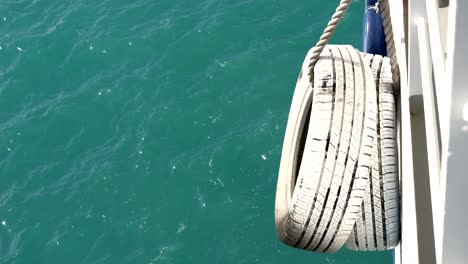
(144,131)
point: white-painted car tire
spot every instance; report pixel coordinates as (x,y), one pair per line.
(379,225)
(326,158)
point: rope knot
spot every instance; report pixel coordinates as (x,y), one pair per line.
(375,8)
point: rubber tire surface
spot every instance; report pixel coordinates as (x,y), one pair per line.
(379,225)
(322,179)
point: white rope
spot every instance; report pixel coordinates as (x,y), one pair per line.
(326,35)
(375,8)
(391,51)
(384,8)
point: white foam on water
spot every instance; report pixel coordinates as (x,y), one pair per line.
(200,198)
(221,183)
(181,228)
(162,253)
